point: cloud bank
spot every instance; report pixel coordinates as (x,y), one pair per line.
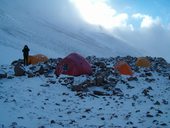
(142,31)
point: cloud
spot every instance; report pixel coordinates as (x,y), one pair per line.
(147,21)
(99,12)
(151,37)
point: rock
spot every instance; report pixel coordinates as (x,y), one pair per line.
(117,92)
(149,80)
(135,97)
(132,79)
(160,112)
(3,74)
(148,115)
(100,93)
(83,116)
(100,64)
(130,87)
(45,85)
(51,81)
(41,127)
(148,74)
(102,118)
(157,103)
(77,88)
(88,83)
(16,62)
(149,88)
(112,81)
(87,110)
(52,122)
(19,70)
(108,87)
(164,102)
(20,117)
(99,79)
(163,124)
(48,75)
(30,75)
(129,123)
(10,77)
(33,67)
(145,92)
(142,75)
(72,122)
(66,80)
(13,125)
(41,70)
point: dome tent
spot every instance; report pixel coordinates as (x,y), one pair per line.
(37,59)
(143,62)
(73,64)
(123,68)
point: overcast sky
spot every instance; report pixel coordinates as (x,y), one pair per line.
(145,24)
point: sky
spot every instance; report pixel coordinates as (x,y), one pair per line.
(144,24)
(113,13)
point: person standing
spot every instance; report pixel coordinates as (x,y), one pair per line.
(25,51)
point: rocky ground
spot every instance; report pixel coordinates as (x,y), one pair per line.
(32,96)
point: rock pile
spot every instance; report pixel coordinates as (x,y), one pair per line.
(104,75)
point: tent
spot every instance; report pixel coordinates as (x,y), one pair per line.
(73,64)
(37,59)
(143,62)
(123,68)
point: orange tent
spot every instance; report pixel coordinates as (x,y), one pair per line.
(143,62)
(123,68)
(37,59)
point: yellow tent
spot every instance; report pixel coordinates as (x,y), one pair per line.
(37,59)
(143,62)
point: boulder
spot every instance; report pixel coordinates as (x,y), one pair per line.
(16,62)
(19,70)
(3,74)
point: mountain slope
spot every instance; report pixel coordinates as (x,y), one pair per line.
(118,101)
(53,32)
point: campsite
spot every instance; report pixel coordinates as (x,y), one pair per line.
(104,96)
(84,64)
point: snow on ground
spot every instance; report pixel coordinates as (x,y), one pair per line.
(43,102)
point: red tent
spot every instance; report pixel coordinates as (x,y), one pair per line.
(73,64)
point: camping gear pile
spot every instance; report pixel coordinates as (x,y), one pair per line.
(104,73)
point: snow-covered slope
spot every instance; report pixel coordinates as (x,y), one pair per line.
(44,101)
(53,28)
